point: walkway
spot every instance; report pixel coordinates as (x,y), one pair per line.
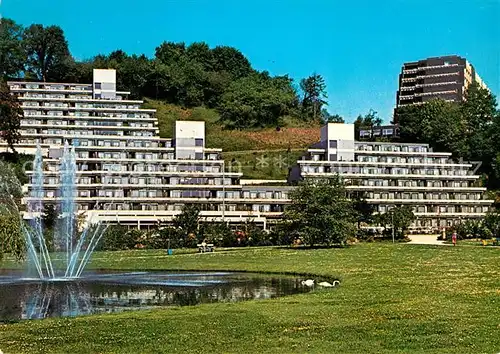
(425,240)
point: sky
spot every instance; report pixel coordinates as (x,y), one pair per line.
(357,46)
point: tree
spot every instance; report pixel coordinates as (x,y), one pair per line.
(136,73)
(480,116)
(437,122)
(187,221)
(257,100)
(201,53)
(167,237)
(469,130)
(478,108)
(170,53)
(11,114)
(492,222)
(400,218)
(230,60)
(47,52)
(49,216)
(10,187)
(326,117)
(320,213)
(364,210)
(11,238)
(314,95)
(11,51)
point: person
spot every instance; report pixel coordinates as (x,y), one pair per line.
(454,238)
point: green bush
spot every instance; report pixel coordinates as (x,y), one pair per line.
(119,237)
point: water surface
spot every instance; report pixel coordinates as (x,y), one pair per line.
(103,292)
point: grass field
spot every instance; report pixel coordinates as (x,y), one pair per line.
(392,299)
(246,146)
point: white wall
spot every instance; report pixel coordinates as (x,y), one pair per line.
(343,134)
(189,129)
(107,79)
(105,75)
(186,133)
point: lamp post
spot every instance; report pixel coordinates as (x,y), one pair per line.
(392,218)
(223,191)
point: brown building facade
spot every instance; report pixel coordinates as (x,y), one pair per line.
(446,77)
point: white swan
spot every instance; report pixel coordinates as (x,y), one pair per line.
(328,285)
(308,282)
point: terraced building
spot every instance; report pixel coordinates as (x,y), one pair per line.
(126,172)
(441,191)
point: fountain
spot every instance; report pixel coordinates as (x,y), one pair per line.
(76,246)
(60,289)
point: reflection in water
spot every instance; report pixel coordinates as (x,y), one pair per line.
(68,300)
(99,293)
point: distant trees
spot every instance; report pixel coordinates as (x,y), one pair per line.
(188,75)
(320,213)
(10,117)
(369,120)
(326,117)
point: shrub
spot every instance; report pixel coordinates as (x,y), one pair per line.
(118,237)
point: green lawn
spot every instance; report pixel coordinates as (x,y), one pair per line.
(393,298)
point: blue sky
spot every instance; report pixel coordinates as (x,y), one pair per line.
(358,46)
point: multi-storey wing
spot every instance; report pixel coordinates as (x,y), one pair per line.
(441,191)
(447,78)
(126,172)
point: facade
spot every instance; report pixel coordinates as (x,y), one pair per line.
(446,77)
(126,172)
(379,132)
(440,191)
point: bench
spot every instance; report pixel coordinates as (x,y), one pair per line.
(205,247)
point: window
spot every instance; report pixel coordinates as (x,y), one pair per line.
(97,95)
(97,86)
(198,142)
(198,156)
(333,144)
(333,157)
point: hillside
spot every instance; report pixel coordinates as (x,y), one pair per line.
(261,153)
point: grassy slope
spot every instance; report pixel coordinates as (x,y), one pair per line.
(393,298)
(245,147)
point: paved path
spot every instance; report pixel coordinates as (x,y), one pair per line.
(425,240)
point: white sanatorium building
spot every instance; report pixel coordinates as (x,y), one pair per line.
(128,174)
(440,191)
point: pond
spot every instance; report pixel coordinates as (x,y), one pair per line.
(104,291)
